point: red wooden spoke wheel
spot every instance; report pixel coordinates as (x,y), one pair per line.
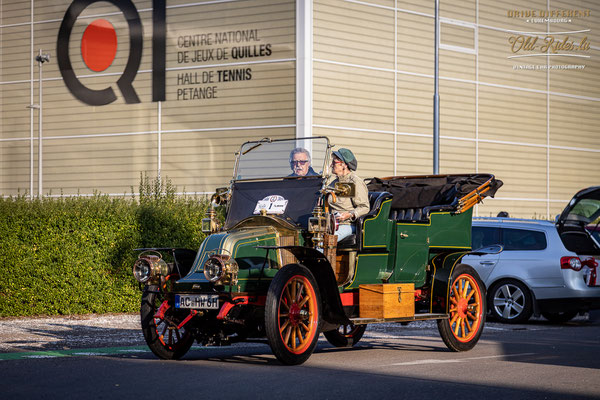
(293,314)
(159,325)
(465,308)
(461,331)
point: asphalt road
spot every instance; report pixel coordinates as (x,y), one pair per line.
(536,360)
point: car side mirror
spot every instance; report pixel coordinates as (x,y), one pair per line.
(492,249)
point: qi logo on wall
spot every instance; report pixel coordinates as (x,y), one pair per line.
(99,48)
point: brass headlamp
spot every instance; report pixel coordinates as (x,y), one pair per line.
(221,269)
(149,268)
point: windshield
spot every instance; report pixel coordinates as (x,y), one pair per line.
(282,158)
(585,210)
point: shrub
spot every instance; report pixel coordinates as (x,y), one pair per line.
(74,255)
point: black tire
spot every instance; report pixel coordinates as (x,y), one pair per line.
(345,335)
(510,302)
(467,309)
(560,317)
(293,314)
(161,333)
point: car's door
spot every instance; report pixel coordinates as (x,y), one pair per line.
(527,257)
(482,236)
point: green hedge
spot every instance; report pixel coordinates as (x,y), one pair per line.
(74,255)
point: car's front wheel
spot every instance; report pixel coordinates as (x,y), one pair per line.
(159,326)
(511,302)
(345,335)
(293,314)
(461,331)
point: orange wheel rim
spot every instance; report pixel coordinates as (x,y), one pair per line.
(466,311)
(297,314)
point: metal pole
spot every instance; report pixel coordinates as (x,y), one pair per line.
(41,59)
(40,186)
(436,95)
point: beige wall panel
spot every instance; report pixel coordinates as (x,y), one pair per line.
(456,156)
(521,168)
(579,82)
(203,161)
(516,209)
(15,12)
(571,171)
(107,164)
(457,109)
(15,117)
(579,22)
(53,9)
(374,151)
(495,67)
(496,13)
(415,43)
(457,35)
(415,155)
(417,5)
(353,97)
(15,167)
(574,123)
(353,33)
(273,20)
(15,45)
(463,10)
(268,98)
(457,65)
(415,104)
(512,115)
(66,116)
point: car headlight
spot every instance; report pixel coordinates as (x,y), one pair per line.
(221,269)
(142,270)
(213,269)
(148,268)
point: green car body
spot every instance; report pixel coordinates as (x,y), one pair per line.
(276,275)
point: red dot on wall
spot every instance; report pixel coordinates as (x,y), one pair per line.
(99,45)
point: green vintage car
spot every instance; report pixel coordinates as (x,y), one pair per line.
(275,270)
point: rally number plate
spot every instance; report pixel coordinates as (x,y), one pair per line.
(200,301)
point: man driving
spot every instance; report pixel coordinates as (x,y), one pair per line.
(300,163)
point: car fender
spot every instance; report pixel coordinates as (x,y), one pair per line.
(319,266)
(443,265)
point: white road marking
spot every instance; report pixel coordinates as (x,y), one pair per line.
(438,361)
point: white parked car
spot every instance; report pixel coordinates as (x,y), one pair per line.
(546,268)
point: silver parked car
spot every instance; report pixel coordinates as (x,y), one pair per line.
(546,268)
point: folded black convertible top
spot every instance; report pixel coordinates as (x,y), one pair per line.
(462,190)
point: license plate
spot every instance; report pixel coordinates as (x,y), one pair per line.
(203,301)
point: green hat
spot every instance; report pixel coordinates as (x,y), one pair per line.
(346,156)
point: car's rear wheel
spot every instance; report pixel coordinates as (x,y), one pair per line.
(293,314)
(159,326)
(345,335)
(510,302)
(560,317)
(461,331)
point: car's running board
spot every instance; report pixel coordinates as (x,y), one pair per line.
(416,317)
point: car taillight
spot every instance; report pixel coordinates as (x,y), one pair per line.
(573,263)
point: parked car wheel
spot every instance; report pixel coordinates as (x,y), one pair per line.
(293,314)
(345,335)
(160,328)
(510,302)
(560,317)
(461,331)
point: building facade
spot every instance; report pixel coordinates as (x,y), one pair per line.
(171,89)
